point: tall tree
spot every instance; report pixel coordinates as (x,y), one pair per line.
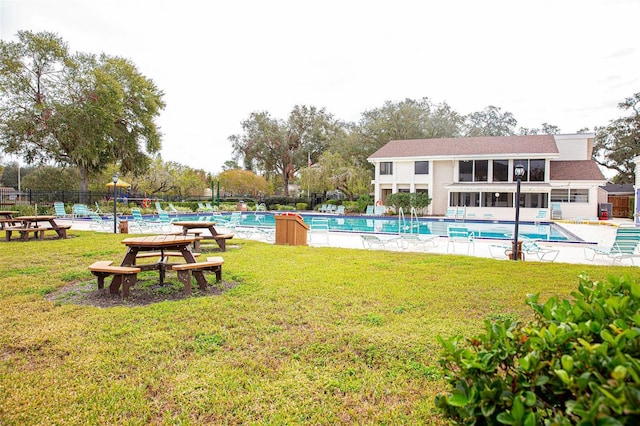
(75,109)
(618,143)
(332,172)
(408,119)
(491,122)
(241,182)
(282,147)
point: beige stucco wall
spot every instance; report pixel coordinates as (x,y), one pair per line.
(442,172)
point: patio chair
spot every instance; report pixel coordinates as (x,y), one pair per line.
(100,224)
(542,214)
(543,253)
(340,210)
(165,221)
(374,242)
(369,210)
(556,211)
(624,246)
(405,241)
(318,231)
(142,225)
(172,209)
(60,211)
(99,211)
(203,209)
(79,210)
(461,235)
(378,211)
(451,213)
(159,207)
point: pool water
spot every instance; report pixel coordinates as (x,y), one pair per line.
(438,226)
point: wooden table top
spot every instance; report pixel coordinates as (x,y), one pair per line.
(7,212)
(160,240)
(193,224)
(34,218)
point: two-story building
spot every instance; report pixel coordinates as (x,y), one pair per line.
(476,175)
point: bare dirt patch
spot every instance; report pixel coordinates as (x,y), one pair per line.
(145,292)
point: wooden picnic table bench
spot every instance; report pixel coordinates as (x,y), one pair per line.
(31,224)
(125,275)
(24,232)
(213,264)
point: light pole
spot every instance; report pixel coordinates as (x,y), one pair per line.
(115,182)
(518,171)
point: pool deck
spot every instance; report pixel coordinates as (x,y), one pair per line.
(592,234)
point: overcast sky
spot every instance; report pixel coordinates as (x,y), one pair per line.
(564,62)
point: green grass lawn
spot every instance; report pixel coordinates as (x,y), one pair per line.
(309,335)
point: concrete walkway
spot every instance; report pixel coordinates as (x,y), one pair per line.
(592,234)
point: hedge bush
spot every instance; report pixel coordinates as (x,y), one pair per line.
(578,362)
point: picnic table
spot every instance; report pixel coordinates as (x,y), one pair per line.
(221,239)
(6,218)
(161,244)
(26,225)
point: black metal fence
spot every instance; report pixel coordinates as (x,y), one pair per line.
(46,198)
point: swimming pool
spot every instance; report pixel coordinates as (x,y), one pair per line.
(438,226)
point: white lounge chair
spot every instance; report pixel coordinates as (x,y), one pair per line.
(374,242)
(405,241)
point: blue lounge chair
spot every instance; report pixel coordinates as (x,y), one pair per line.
(369,210)
(79,210)
(60,211)
(142,225)
(100,224)
(625,246)
(460,235)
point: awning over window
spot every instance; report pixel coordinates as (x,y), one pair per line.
(498,187)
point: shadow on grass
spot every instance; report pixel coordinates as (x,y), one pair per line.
(146,291)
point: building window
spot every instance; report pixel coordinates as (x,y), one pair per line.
(536,170)
(578,195)
(465,173)
(569,195)
(386,168)
(501,170)
(465,199)
(533,170)
(421,167)
(559,195)
(481,171)
(473,171)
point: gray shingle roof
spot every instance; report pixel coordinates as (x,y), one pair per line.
(490,145)
(575,170)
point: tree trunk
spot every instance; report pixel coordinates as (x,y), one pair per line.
(84,184)
(285,182)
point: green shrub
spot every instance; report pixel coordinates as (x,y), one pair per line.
(301,206)
(406,200)
(576,363)
(352,207)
